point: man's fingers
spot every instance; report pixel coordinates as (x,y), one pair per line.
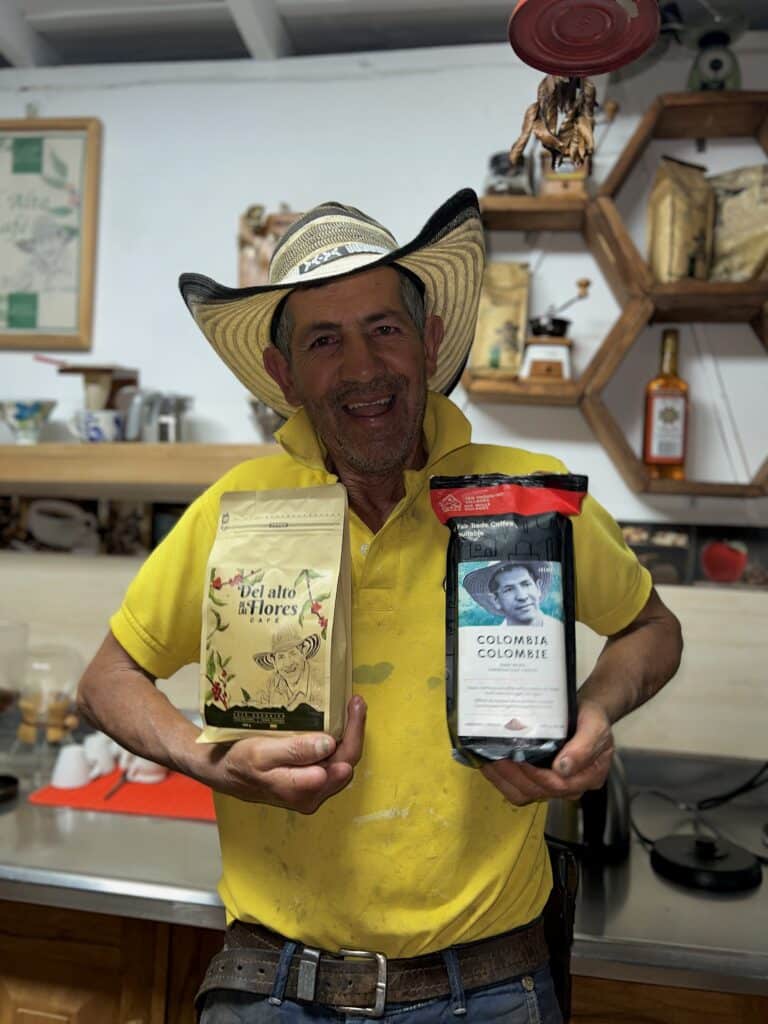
(592,738)
(305,789)
(523,783)
(264,753)
(591,777)
(350,748)
(514,784)
(339,776)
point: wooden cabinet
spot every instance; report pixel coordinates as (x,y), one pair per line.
(190,951)
(71,967)
(604,1001)
(64,967)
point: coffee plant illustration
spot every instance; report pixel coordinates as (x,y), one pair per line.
(216,670)
(314,602)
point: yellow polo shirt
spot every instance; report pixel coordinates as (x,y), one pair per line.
(418,852)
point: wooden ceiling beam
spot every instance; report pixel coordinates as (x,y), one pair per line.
(261,27)
(21,46)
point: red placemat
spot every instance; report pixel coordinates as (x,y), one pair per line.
(175,797)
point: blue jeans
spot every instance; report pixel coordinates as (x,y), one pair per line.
(527,1000)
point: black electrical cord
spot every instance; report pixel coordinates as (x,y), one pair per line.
(755,781)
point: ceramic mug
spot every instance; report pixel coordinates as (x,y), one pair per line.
(138,769)
(99,754)
(71,769)
(98,425)
(62,524)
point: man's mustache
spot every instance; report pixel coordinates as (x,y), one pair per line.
(390,383)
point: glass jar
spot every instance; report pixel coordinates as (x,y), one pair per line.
(13,648)
(47,698)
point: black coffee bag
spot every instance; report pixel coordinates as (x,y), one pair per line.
(510,618)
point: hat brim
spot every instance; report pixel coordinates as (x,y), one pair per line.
(478,582)
(309,647)
(448,257)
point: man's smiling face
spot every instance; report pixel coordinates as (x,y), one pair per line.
(517,596)
(359,366)
(289,664)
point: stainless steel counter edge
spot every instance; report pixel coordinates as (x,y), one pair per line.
(718,970)
(125,898)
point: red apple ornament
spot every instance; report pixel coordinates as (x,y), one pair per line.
(724,561)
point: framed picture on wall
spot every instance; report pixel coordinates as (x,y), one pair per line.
(49,185)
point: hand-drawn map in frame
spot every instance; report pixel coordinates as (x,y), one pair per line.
(49,181)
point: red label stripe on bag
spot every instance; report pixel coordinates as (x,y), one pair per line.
(451,502)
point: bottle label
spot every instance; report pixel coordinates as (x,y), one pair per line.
(666,442)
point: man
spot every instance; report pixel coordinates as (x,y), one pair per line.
(291,682)
(512,589)
(402,853)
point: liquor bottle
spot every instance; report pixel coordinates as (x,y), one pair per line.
(665,436)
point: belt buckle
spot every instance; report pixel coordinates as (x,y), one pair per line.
(380,1000)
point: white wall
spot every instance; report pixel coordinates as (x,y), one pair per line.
(188,147)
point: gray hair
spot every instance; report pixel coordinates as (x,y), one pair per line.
(410,292)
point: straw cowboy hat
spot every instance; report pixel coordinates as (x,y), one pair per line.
(447,258)
(478,582)
(285,640)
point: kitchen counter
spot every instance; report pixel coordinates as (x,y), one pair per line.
(633,925)
(630,923)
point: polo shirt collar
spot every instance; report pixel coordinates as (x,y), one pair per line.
(446,428)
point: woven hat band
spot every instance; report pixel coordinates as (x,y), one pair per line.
(343,259)
(322,240)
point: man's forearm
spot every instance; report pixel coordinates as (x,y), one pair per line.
(295,771)
(118,698)
(636,663)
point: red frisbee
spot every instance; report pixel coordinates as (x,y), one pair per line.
(577,38)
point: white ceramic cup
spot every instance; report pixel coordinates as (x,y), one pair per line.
(71,769)
(62,524)
(98,425)
(99,754)
(139,769)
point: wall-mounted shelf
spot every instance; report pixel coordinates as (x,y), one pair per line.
(673,115)
(692,115)
(570,392)
(704,488)
(152,472)
(567,214)
(499,389)
(533,213)
(713,302)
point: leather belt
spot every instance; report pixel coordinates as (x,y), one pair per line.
(361,981)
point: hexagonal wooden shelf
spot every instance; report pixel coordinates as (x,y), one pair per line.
(529,213)
(676,116)
(686,115)
(610,435)
(690,115)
